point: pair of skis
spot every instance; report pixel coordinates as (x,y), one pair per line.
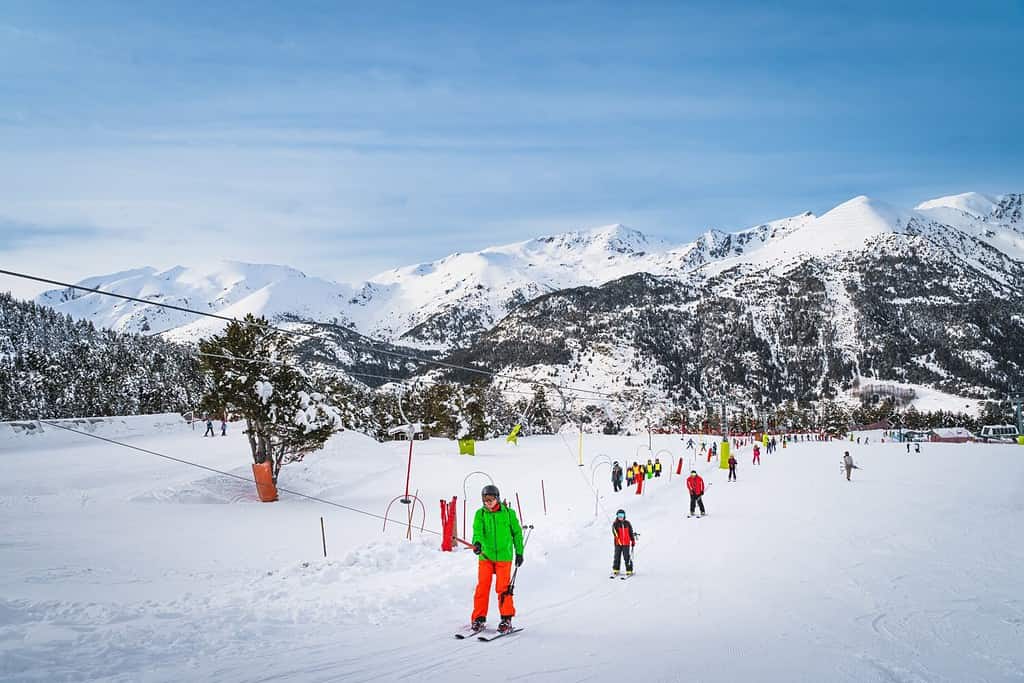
(622,577)
(469,633)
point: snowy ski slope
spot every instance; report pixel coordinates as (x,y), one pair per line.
(115,565)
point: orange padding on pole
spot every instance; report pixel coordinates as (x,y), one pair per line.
(265,487)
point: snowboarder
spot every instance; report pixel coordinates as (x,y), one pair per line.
(848,464)
(223,427)
(622,533)
(657,467)
(757,454)
(498,540)
(732,467)
(209,427)
(617,476)
(695,485)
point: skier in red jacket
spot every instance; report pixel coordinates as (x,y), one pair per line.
(757,454)
(695,485)
(622,533)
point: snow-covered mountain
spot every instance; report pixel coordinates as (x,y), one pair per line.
(962,254)
(442,304)
(228,288)
(866,290)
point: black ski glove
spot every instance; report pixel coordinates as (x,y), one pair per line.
(477,548)
(519,560)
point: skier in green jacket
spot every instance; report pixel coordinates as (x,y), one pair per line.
(498,540)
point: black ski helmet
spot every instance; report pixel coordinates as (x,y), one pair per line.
(490,490)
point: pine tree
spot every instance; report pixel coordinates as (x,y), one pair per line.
(285,417)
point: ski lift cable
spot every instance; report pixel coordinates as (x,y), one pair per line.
(296,333)
(227,474)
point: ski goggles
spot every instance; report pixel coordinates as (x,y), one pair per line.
(621,515)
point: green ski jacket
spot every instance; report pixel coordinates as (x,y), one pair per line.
(498,533)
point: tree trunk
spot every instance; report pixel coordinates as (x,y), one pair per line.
(250,433)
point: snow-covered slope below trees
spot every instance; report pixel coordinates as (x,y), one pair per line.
(122,566)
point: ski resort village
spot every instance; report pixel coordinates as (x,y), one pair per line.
(324,356)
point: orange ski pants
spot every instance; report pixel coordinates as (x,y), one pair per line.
(481,598)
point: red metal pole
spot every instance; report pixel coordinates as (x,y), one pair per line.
(408,471)
(544,497)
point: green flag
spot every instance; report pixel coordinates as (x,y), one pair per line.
(467,447)
(514,436)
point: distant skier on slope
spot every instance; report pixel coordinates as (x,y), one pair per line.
(689,445)
(732,467)
(649,469)
(617,476)
(624,538)
(629,475)
(695,485)
(657,467)
(498,540)
(209,427)
(848,464)
(757,454)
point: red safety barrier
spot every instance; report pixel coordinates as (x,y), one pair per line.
(679,467)
(448,512)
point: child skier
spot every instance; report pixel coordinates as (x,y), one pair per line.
(649,469)
(209,427)
(622,533)
(695,485)
(497,539)
(629,476)
(617,476)
(757,454)
(732,467)
(657,467)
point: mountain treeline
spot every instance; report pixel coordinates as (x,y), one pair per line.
(53,367)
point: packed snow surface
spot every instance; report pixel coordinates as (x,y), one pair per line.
(124,566)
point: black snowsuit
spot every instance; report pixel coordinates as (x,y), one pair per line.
(617,478)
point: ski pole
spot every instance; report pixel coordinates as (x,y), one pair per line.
(512,584)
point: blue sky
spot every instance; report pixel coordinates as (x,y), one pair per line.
(347,139)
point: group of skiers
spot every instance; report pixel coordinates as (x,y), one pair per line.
(498,536)
(209,427)
(634,472)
